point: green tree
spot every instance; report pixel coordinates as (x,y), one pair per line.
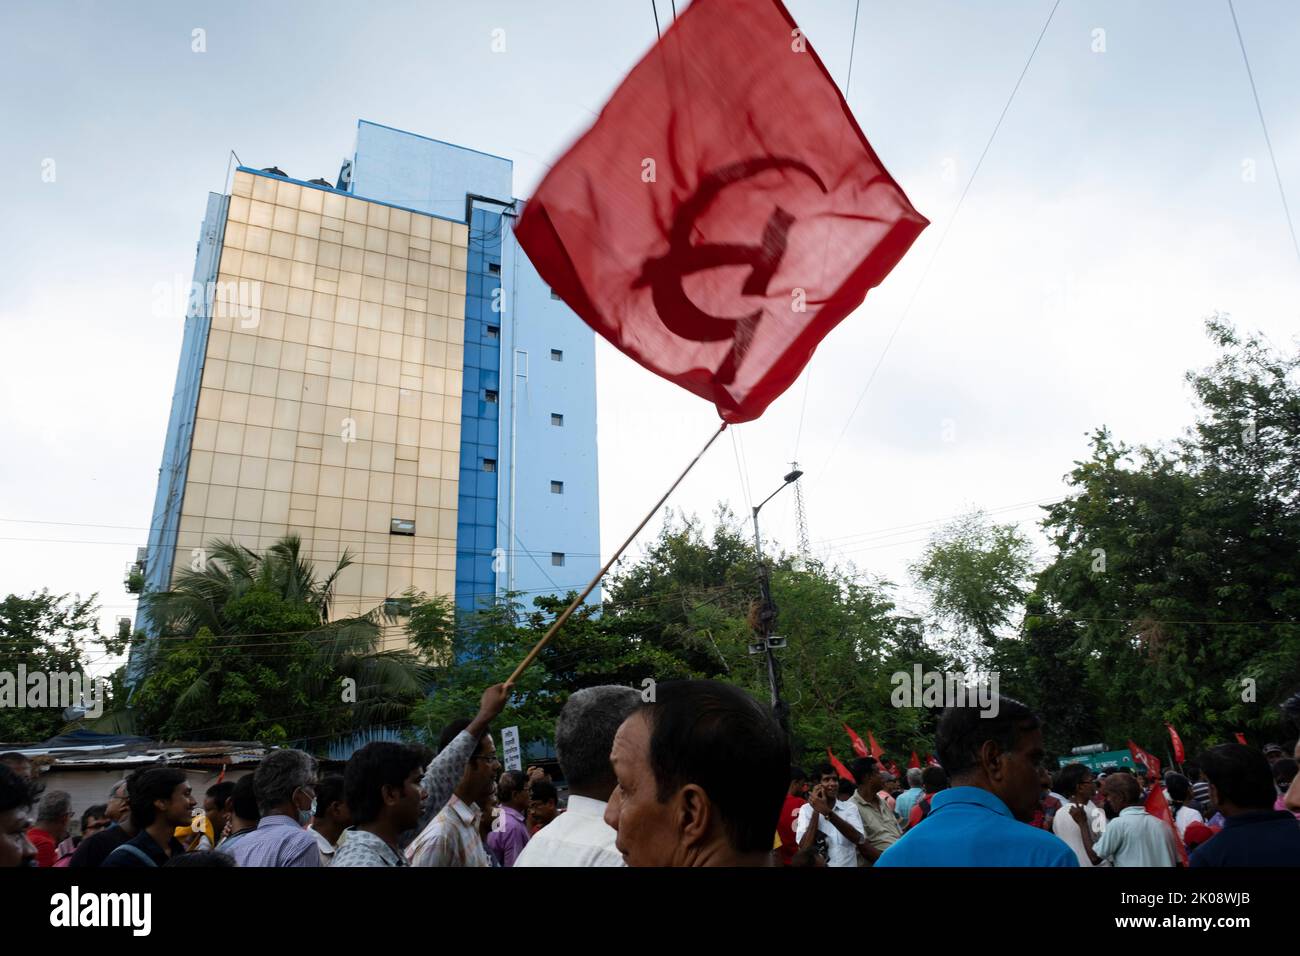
(1178,565)
(976,574)
(53,634)
(247,649)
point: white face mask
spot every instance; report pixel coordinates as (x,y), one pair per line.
(305,816)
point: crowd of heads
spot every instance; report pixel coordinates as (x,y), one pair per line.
(701,775)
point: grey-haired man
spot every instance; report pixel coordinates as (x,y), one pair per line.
(584,736)
(94,850)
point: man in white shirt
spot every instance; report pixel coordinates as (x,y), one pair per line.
(1180,802)
(836,821)
(1078,785)
(332,817)
(584,735)
(1134,837)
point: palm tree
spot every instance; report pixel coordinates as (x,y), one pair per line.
(301,658)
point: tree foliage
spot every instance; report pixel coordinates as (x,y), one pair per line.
(54,634)
(247,650)
(1176,568)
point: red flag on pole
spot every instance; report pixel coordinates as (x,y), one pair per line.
(1147,760)
(1179,754)
(842,770)
(930,761)
(876,751)
(1241,739)
(914,762)
(859,747)
(724,213)
(1158,806)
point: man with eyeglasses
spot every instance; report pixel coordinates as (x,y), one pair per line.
(452,838)
(285,786)
(95,847)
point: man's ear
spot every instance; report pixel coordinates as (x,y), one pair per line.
(992,759)
(694,814)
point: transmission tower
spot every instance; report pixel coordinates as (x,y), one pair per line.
(800,515)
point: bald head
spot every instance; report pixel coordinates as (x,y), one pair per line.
(1121,790)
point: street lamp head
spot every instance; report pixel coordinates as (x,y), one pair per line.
(793,476)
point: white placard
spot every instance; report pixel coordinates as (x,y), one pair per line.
(510,749)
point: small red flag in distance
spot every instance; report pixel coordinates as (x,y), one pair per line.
(930,761)
(859,747)
(914,762)
(1147,760)
(876,750)
(842,770)
(1158,806)
(1241,739)
(1179,753)
(724,212)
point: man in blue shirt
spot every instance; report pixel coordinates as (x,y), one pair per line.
(907,800)
(1254,834)
(982,820)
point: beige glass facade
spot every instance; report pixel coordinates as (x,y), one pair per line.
(330,402)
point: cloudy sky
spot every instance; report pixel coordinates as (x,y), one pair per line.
(1127,194)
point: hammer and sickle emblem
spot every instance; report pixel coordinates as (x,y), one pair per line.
(664,274)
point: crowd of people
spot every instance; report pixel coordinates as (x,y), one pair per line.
(700,777)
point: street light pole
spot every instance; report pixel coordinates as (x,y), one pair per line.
(767,613)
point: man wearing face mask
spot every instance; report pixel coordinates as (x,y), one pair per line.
(285,786)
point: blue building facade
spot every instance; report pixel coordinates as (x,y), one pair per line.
(529,502)
(526,517)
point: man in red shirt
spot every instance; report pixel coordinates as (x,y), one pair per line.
(51,826)
(794,799)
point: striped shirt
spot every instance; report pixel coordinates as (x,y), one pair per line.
(278,841)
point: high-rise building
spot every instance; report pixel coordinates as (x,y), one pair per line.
(376,366)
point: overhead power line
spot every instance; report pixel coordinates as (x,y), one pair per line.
(907,309)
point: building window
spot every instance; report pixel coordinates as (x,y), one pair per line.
(491,396)
(557,355)
(494,268)
(405,526)
(557,559)
(489,464)
(494,331)
(557,419)
(557,487)
(553,294)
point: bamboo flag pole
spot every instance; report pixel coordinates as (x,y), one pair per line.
(564,615)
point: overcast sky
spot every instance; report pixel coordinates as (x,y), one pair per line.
(1128,194)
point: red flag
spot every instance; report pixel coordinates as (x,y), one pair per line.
(1158,806)
(1179,754)
(842,770)
(875,747)
(221,776)
(1147,760)
(1241,739)
(914,762)
(859,747)
(930,761)
(893,768)
(724,213)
